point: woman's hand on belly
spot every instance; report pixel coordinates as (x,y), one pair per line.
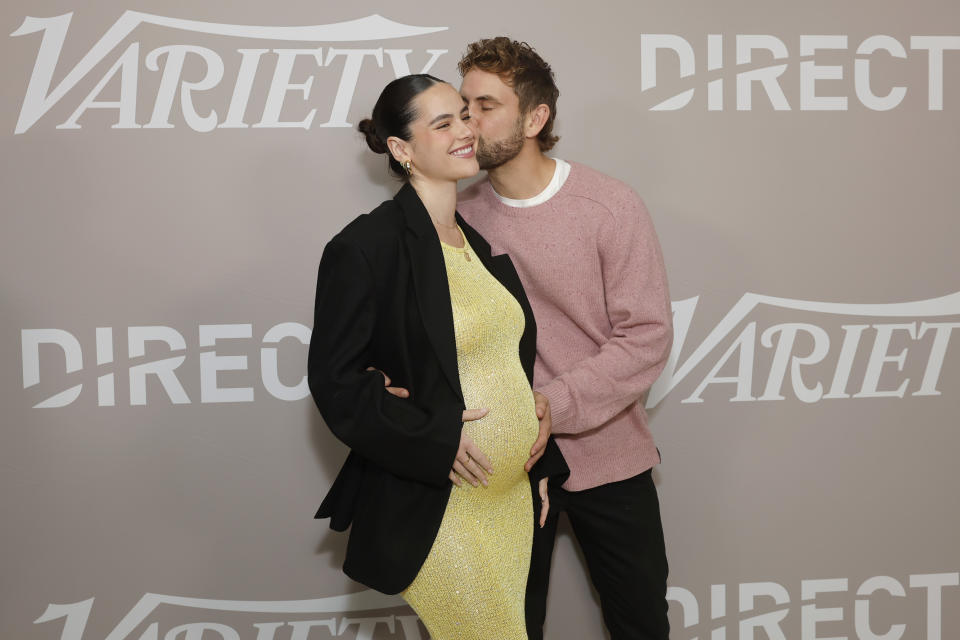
(471,464)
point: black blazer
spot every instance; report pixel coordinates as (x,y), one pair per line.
(383,300)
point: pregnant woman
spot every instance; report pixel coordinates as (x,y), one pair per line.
(411,289)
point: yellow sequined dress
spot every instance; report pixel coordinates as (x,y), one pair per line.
(473,582)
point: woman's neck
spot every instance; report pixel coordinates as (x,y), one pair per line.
(439,198)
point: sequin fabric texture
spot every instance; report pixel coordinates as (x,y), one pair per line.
(473,582)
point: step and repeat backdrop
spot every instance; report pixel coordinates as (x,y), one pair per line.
(171,172)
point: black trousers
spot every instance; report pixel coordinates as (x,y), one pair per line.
(618,528)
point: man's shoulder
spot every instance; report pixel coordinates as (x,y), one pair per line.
(587,180)
(611,193)
(472,196)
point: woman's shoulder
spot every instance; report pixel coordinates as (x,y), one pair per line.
(370,230)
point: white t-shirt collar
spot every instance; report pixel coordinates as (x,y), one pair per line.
(560,174)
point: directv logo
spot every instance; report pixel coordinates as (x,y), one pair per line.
(165,370)
(766,78)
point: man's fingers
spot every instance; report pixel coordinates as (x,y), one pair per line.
(540,403)
(540,444)
(541,409)
(533,460)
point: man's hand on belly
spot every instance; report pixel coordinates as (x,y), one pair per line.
(543,415)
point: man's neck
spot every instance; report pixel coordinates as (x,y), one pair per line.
(524,176)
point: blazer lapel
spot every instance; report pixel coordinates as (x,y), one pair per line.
(430,283)
(501,268)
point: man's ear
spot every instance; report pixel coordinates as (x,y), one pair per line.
(535,120)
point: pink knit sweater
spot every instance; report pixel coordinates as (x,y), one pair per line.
(593,271)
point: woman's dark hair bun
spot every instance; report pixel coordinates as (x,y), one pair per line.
(369,131)
(392,115)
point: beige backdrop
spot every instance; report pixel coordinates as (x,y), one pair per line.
(161,229)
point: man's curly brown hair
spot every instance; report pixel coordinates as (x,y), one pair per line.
(522,68)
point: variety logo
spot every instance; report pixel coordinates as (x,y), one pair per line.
(925,589)
(864,346)
(343,623)
(874,50)
(848,352)
(170,60)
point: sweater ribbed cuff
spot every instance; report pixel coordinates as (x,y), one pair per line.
(562,409)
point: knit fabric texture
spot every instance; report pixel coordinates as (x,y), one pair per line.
(593,271)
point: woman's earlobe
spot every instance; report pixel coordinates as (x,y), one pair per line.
(396,150)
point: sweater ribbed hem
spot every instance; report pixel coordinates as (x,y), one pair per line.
(628,449)
(562,407)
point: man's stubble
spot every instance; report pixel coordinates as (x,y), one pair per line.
(491,155)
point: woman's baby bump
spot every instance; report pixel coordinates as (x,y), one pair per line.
(508,431)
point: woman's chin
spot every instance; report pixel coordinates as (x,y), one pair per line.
(470,169)
(465,168)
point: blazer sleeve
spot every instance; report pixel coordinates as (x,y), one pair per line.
(407,440)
